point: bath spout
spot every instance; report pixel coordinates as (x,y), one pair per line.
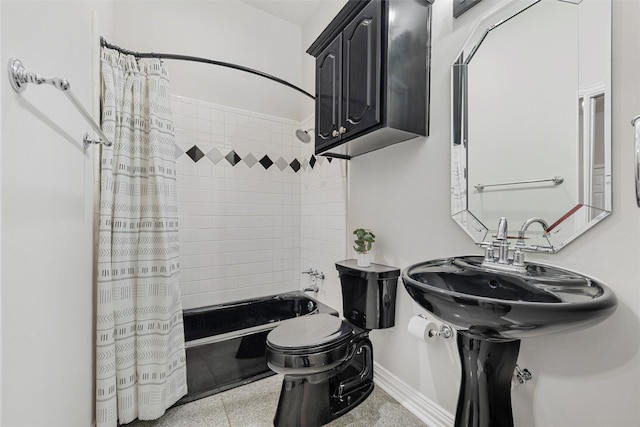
(315,275)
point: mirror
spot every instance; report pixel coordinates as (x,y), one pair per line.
(532,122)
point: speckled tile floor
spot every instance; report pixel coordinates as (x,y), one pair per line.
(254,405)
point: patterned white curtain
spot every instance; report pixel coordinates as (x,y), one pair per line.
(140,356)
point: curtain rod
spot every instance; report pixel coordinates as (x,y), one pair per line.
(104,43)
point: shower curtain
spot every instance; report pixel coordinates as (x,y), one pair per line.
(140,356)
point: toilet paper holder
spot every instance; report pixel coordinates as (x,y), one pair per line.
(444,331)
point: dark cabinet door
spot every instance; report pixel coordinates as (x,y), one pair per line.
(361,86)
(372,76)
(329,94)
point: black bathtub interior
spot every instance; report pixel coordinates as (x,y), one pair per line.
(226,343)
(216,320)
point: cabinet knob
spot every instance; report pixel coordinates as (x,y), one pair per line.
(342,130)
(335,133)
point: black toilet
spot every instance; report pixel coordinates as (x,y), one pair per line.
(328,362)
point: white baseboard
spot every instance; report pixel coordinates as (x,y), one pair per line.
(429,412)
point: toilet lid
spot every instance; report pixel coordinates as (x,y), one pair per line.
(310,331)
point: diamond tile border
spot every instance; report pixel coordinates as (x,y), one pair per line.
(281,164)
(266,162)
(233,158)
(217,154)
(195,153)
(250,160)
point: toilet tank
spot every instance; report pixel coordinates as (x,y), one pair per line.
(368,294)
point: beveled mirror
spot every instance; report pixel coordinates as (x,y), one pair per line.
(532,122)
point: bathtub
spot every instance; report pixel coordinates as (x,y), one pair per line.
(225,344)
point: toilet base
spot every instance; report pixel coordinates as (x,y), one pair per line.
(312,401)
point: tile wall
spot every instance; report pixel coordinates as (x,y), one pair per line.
(323,211)
(240,181)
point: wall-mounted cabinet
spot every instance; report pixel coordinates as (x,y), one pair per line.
(372,76)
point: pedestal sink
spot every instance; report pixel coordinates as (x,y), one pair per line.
(492,310)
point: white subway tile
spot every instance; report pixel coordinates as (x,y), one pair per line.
(203,113)
(230,118)
(217,128)
(243,120)
(217,115)
(189,109)
(244,230)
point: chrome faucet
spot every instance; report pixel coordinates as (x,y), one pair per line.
(503,262)
(528,223)
(518,255)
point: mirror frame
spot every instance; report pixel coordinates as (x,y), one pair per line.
(460,213)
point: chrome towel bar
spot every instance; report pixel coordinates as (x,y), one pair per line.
(557,180)
(19,78)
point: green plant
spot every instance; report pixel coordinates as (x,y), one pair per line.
(364,240)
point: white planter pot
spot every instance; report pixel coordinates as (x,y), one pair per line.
(363,259)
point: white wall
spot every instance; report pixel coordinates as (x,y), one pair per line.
(226,30)
(587,378)
(47,217)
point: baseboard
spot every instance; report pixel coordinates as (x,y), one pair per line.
(429,412)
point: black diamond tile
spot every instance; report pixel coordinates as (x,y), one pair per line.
(266,162)
(233,158)
(295,165)
(312,161)
(329,159)
(194,153)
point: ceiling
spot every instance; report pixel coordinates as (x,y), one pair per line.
(298,12)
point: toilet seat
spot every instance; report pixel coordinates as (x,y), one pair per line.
(310,332)
(309,345)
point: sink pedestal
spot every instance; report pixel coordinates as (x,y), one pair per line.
(485,390)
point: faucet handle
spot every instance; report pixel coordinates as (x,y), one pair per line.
(489,253)
(518,257)
(502,229)
(489,250)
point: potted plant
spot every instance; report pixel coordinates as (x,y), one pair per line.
(363,242)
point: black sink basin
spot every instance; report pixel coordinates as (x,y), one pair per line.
(496,303)
(492,310)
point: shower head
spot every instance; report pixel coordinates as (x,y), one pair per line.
(303,135)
